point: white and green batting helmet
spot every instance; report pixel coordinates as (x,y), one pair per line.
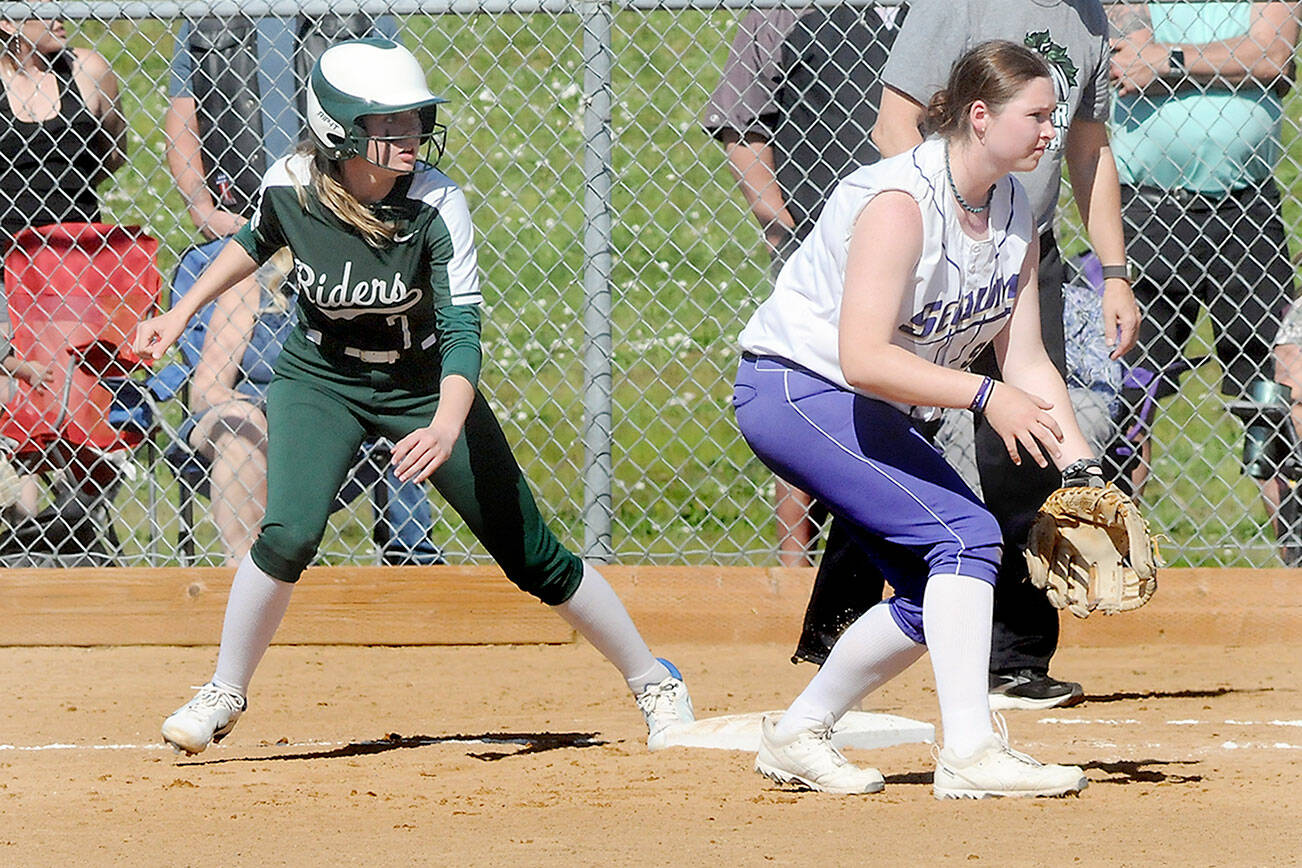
(362,77)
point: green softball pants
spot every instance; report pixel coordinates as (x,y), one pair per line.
(321,406)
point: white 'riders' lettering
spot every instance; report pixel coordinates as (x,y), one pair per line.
(366,295)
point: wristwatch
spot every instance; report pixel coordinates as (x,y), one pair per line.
(1119,272)
(1175,59)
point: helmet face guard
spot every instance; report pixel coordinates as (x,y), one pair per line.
(363,77)
(433,141)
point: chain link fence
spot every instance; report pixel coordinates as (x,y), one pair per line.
(619,256)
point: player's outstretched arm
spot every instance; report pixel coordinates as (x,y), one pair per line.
(156,334)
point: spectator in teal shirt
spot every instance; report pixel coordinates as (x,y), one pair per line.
(1196,134)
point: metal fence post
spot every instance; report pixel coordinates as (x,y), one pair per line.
(598,347)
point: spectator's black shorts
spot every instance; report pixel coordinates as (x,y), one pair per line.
(1227,253)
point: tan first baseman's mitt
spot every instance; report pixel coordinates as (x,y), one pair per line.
(1089,548)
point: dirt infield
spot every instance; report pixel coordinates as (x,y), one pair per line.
(533,755)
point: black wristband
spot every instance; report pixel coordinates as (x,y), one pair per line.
(1086,472)
(982,396)
(1119,272)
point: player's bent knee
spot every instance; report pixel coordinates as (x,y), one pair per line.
(906,605)
(553,580)
(975,549)
(979,561)
(282,554)
(907,615)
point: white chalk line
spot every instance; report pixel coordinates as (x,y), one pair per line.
(1076,721)
(1062,721)
(1225,745)
(159,746)
(430,740)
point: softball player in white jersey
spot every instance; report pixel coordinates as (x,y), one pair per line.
(915,265)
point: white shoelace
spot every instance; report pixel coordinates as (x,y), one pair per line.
(658,699)
(1001,736)
(210,696)
(824,734)
(1001,733)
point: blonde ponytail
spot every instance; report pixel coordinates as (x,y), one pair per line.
(344,205)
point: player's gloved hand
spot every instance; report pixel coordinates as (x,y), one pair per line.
(1022,418)
(1090,548)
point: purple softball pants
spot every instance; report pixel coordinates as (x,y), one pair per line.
(868,464)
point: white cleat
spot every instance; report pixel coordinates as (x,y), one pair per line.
(207,718)
(665,706)
(998,770)
(811,761)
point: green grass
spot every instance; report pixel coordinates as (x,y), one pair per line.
(688,271)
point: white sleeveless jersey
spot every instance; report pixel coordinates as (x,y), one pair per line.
(962,291)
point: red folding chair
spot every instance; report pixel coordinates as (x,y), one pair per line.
(76,292)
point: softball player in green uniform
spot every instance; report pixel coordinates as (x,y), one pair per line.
(387,345)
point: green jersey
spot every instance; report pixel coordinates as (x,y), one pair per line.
(421,292)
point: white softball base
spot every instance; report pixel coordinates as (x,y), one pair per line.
(857,730)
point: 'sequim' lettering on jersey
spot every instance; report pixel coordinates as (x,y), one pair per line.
(956,315)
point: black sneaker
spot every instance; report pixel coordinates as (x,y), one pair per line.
(1027,688)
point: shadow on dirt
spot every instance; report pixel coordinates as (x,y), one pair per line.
(1090,698)
(1146,771)
(528,742)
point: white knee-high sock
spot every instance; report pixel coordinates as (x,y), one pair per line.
(253,612)
(871,651)
(596,612)
(956,616)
